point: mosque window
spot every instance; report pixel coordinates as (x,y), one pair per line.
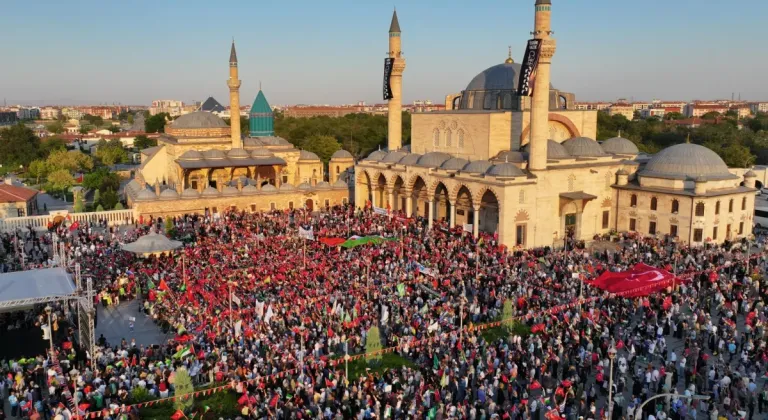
(717,207)
(730,206)
(487,102)
(461,139)
(714,233)
(272,206)
(654,203)
(744,203)
(699,209)
(508,101)
(436,138)
(698,235)
(652,227)
(632,224)
(337,169)
(522,196)
(675,206)
(741,228)
(673,230)
(606,218)
(633,200)
(499,102)
(344,201)
(253,208)
(448,139)
(290,205)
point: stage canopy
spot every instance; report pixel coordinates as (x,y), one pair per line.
(151,243)
(24,288)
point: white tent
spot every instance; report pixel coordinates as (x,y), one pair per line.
(151,243)
(24,288)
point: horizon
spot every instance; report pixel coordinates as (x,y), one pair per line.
(123,55)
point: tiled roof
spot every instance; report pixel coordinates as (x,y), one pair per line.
(14,194)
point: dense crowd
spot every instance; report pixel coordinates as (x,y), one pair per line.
(300,305)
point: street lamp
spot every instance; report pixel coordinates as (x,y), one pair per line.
(48,311)
(697,397)
(611,356)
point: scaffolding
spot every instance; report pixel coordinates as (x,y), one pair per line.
(86,313)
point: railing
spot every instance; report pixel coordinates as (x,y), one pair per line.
(113,218)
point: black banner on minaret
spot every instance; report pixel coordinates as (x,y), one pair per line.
(388,64)
(525,85)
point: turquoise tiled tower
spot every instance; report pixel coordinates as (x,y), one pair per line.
(261,118)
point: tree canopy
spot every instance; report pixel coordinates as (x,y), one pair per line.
(56,127)
(323,146)
(156,123)
(111,152)
(18,146)
(143,142)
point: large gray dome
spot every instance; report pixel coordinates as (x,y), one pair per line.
(505,170)
(477,167)
(502,76)
(433,159)
(686,161)
(454,164)
(377,155)
(410,159)
(583,147)
(620,146)
(555,150)
(511,156)
(199,119)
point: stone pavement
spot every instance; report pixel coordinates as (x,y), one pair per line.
(114,324)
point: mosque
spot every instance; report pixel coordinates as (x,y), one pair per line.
(528,169)
(523,166)
(203,165)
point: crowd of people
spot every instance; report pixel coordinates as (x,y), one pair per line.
(252,304)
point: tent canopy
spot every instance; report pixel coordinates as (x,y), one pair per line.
(24,288)
(150,243)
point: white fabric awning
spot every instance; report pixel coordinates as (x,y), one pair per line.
(150,243)
(23,288)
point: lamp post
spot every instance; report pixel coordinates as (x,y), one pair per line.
(639,409)
(611,356)
(48,311)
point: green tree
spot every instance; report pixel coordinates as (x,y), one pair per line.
(99,208)
(712,115)
(101,179)
(37,169)
(323,146)
(109,199)
(183,390)
(94,120)
(737,156)
(119,206)
(56,127)
(79,206)
(674,116)
(51,144)
(18,146)
(142,142)
(73,161)
(110,153)
(156,123)
(114,129)
(60,180)
(84,129)
(96,197)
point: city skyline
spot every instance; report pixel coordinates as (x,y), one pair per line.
(332,53)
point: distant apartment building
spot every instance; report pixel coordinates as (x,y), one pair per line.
(104,112)
(653,112)
(319,111)
(50,113)
(171,106)
(756,107)
(7,118)
(742,110)
(627,110)
(72,113)
(639,106)
(592,106)
(695,110)
(27,113)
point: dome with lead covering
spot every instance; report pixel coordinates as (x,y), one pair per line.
(323,186)
(146,194)
(190,193)
(341,154)
(377,155)
(307,156)
(583,147)
(454,164)
(250,189)
(340,184)
(169,194)
(687,161)
(505,170)
(287,187)
(214,154)
(210,192)
(229,191)
(555,150)
(510,156)
(620,146)
(191,155)
(268,188)
(394,157)
(261,153)
(410,159)
(238,154)
(304,186)
(199,119)
(478,167)
(433,159)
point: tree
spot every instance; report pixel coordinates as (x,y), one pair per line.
(84,129)
(738,156)
(56,127)
(99,208)
(183,390)
(38,169)
(674,116)
(114,129)
(60,180)
(96,197)
(72,161)
(18,146)
(109,199)
(111,153)
(93,120)
(712,115)
(323,146)
(79,206)
(156,123)
(51,144)
(101,179)
(119,206)
(142,142)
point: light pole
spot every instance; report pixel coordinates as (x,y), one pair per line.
(611,355)
(639,409)
(48,311)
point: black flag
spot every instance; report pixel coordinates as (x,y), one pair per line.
(388,63)
(525,85)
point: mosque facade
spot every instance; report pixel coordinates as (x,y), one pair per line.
(527,168)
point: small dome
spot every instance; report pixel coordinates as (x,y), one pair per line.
(307,155)
(214,154)
(238,154)
(243,179)
(230,190)
(250,189)
(286,186)
(505,170)
(323,186)
(620,146)
(191,155)
(583,147)
(169,194)
(341,154)
(510,156)
(377,155)
(190,193)
(410,159)
(146,194)
(477,167)
(261,153)
(394,157)
(555,150)
(454,164)
(340,184)
(304,187)
(622,171)
(686,160)
(210,192)
(750,174)
(199,119)
(268,188)
(433,159)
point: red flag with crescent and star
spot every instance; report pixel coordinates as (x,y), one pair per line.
(640,280)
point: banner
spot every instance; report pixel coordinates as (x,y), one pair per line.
(236,300)
(640,280)
(468,227)
(525,84)
(388,64)
(308,234)
(332,241)
(380,211)
(424,270)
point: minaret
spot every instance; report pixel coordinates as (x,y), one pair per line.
(540,103)
(395,107)
(234,99)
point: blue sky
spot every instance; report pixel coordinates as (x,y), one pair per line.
(309,51)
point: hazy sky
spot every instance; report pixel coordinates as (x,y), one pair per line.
(332,51)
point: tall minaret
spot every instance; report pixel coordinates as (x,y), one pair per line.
(540,103)
(395,107)
(234,99)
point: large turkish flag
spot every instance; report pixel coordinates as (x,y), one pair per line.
(640,280)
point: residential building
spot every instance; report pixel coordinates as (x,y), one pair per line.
(173,107)
(8,118)
(758,107)
(50,113)
(653,112)
(16,201)
(627,110)
(28,113)
(319,111)
(697,109)
(72,113)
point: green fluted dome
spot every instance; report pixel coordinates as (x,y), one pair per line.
(261,118)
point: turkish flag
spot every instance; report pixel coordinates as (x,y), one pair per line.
(640,280)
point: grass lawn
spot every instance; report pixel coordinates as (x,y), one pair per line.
(388,361)
(503,331)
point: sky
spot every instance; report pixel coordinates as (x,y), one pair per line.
(332,51)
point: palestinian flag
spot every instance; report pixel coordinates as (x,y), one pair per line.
(184,352)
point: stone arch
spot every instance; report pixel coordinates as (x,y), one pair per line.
(398,192)
(481,192)
(366,186)
(456,188)
(440,194)
(572,130)
(420,196)
(380,190)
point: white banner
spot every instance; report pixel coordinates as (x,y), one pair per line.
(381,211)
(236,299)
(238,328)
(468,227)
(308,234)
